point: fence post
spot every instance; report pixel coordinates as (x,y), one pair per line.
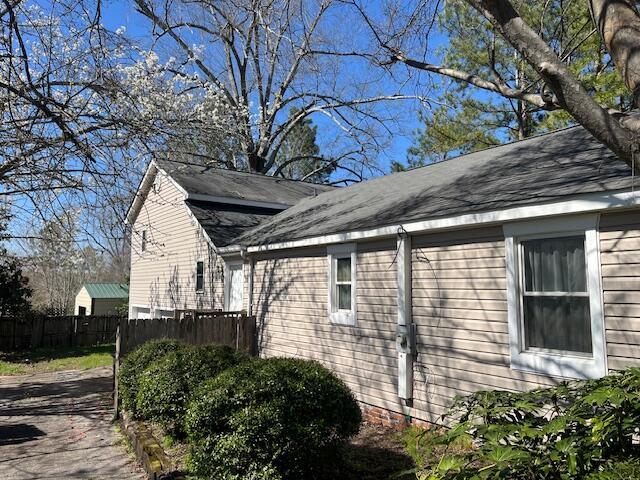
(116,369)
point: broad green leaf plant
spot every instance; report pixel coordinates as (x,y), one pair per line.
(575,430)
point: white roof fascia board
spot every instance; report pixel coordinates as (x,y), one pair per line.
(175,184)
(141,193)
(592,202)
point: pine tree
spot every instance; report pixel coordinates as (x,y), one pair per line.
(468,120)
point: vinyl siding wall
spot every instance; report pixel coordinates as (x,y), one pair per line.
(290,303)
(164,276)
(620,263)
(459,298)
(83,299)
(460,309)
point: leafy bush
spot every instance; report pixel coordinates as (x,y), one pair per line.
(568,431)
(166,386)
(620,470)
(270,419)
(135,363)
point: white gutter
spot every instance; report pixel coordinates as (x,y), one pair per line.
(592,202)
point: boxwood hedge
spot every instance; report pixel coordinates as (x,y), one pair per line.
(135,363)
(270,419)
(168,383)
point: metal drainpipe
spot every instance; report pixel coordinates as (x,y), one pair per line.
(405,336)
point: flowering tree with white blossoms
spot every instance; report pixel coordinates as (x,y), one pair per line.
(82,110)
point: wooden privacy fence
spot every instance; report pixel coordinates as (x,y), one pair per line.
(227,328)
(35,331)
(196,328)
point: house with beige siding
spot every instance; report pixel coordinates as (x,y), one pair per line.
(181,215)
(510,268)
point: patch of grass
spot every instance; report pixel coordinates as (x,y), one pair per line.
(7,368)
(55,359)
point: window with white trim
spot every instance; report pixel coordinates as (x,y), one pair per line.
(556,325)
(342,283)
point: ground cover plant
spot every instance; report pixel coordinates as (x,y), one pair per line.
(55,359)
(577,430)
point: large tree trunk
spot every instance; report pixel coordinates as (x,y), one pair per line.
(619,25)
(572,96)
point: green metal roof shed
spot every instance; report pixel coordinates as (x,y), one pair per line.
(101,298)
(107,290)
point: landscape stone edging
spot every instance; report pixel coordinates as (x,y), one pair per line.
(148,450)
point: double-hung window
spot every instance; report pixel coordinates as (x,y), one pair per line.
(554,296)
(342,283)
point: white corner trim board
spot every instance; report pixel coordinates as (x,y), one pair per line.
(557,364)
(593,202)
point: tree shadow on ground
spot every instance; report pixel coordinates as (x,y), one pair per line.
(376,453)
(19,433)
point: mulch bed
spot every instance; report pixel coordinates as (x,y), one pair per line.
(376,453)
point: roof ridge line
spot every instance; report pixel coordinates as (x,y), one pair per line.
(242,172)
(513,142)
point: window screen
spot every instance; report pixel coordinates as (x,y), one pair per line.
(555,301)
(199,276)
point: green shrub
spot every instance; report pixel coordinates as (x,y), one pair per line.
(270,419)
(167,384)
(135,363)
(620,470)
(569,431)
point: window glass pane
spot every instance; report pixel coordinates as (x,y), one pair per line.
(557,323)
(199,275)
(344,269)
(344,297)
(555,265)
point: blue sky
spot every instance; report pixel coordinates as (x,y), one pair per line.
(117,13)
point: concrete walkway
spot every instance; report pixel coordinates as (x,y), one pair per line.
(58,426)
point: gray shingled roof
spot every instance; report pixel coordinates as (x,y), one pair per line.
(218,182)
(540,169)
(223,223)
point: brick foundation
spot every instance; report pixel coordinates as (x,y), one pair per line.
(381,416)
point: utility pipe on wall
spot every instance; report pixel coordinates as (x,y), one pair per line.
(405,336)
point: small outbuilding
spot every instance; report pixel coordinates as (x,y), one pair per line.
(101,298)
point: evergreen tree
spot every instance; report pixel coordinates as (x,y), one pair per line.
(14,286)
(301,147)
(468,120)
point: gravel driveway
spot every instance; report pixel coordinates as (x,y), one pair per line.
(58,425)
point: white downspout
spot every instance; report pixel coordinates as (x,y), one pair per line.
(405,341)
